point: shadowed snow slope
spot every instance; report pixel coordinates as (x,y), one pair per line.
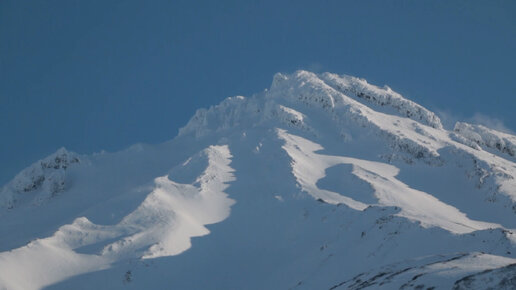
(320,182)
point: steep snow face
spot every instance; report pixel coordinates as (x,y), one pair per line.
(320,182)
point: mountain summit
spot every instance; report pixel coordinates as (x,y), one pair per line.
(322,181)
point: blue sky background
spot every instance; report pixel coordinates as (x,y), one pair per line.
(94,75)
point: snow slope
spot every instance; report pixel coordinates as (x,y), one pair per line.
(320,182)
(162,225)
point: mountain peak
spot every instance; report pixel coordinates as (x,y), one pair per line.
(330,92)
(323,181)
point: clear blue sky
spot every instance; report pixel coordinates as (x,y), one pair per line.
(93,75)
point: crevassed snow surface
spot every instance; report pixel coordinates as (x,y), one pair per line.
(320,182)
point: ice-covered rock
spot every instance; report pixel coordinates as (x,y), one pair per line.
(40,181)
(359,186)
(478,135)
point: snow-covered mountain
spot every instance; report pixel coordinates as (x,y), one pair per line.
(320,182)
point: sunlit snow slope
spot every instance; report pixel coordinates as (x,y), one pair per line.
(320,182)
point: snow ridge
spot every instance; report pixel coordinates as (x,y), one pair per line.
(383,97)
